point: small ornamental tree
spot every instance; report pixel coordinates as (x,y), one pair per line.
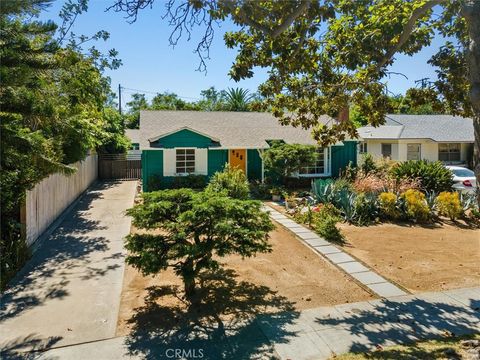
(195,228)
(284,160)
(232,181)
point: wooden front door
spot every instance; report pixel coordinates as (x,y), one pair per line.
(238,159)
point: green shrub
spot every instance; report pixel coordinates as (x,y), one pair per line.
(231,180)
(155,182)
(387,202)
(366,209)
(433,176)
(448,204)
(368,164)
(260,191)
(191,181)
(283,160)
(326,226)
(416,207)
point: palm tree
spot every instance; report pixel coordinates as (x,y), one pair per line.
(238,99)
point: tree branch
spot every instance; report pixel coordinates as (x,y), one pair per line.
(407,31)
(231,5)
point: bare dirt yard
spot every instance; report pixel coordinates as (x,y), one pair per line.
(419,258)
(290,278)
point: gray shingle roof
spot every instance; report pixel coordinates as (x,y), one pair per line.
(133,135)
(233,129)
(440,128)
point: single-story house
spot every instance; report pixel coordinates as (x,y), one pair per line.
(178,143)
(413,137)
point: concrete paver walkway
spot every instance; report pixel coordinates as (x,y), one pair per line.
(335,255)
(69,292)
(311,334)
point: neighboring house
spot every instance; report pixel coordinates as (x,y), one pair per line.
(413,137)
(178,143)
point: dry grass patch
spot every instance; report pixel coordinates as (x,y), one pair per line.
(290,278)
(420,258)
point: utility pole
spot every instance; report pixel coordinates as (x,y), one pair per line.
(120,99)
(424,82)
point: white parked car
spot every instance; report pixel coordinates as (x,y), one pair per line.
(463,179)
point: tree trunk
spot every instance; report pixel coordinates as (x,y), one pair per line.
(188,276)
(471,12)
(190,288)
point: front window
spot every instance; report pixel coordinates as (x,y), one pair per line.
(413,151)
(362,147)
(185,162)
(317,168)
(387,150)
(449,152)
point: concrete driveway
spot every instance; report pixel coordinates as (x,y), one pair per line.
(69,292)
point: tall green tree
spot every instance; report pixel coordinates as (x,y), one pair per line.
(212,99)
(324,56)
(171,101)
(51,101)
(137,102)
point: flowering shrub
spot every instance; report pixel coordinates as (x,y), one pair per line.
(448,204)
(387,202)
(416,207)
(381,182)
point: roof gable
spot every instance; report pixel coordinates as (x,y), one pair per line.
(183,137)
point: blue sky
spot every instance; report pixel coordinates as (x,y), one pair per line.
(150,63)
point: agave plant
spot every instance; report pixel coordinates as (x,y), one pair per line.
(468,201)
(431,198)
(346,203)
(322,189)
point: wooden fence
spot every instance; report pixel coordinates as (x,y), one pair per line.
(49,198)
(119,166)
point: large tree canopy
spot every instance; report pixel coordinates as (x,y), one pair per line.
(52,113)
(326,55)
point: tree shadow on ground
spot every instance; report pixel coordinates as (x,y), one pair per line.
(14,349)
(389,322)
(67,250)
(224,325)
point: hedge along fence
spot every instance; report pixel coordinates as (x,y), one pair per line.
(50,197)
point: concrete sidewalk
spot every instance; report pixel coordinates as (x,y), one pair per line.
(69,292)
(311,334)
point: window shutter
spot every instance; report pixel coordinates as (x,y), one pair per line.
(169,162)
(201,161)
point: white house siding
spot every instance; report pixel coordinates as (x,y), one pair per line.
(374,148)
(429,149)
